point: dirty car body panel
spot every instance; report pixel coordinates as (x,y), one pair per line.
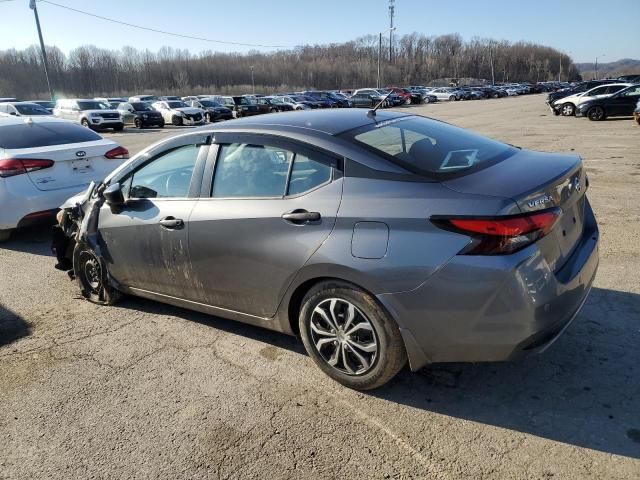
(375,222)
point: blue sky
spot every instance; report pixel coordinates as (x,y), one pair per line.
(582,28)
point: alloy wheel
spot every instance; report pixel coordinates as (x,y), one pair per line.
(343,336)
(596,113)
(567,109)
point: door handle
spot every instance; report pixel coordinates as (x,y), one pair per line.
(300,217)
(171,223)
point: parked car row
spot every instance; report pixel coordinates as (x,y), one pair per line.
(596,99)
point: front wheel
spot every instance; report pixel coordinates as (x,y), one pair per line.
(92,278)
(568,109)
(350,337)
(452,98)
(596,113)
(138,123)
(85,123)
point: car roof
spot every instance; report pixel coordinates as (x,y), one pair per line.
(330,121)
(13,120)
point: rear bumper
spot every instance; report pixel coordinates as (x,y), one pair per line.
(20,200)
(494,308)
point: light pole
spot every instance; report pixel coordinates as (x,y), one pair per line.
(380,52)
(596,72)
(32,6)
(253,83)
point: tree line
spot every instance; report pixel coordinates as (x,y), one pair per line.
(414,59)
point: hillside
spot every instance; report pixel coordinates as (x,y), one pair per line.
(610,69)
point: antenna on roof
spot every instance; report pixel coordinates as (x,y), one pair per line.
(372,112)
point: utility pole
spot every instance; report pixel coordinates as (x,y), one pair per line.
(596,73)
(32,6)
(560,70)
(392,10)
(493,77)
(379,54)
(253,83)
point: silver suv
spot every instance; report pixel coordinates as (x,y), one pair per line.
(90,113)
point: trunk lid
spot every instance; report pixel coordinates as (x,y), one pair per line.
(537,181)
(75,164)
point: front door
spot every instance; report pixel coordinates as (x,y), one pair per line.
(271,206)
(625,102)
(145,242)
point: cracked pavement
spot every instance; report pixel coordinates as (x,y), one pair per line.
(144,390)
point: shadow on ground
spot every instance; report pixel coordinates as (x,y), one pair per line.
(12,326)
(583,391)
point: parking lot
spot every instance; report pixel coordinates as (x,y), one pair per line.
(146,390)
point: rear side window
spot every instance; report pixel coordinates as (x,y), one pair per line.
(42,134)
(429,147)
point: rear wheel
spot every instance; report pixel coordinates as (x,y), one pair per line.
(176,120)
(5,235)
(208,118)
(161,125)
(350,337)
(568,109)
(452,98)
(138,123)
(92,278)
(596,113)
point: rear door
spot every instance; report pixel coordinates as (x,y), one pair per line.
(271,205)
(145,241)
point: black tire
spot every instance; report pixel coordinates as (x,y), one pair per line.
(119,128)
(177,121)
(85,123)
(383,364)
(91,275)
(161,125)
(596,113)
(208,118)
(453,98)
(568,109)
(138,123)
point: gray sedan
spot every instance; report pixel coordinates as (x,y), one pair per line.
(377,237)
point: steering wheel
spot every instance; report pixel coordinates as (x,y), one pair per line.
(177,184)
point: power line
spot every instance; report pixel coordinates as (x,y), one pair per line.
(155,30)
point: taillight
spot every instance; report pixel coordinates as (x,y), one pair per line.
(17,166)
(118,152)
(500,235)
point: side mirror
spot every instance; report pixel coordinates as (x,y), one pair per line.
(113,195)
(13,113)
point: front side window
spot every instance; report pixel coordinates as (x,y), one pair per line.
(429,147)
(167,176)
(251,171)
(632,92)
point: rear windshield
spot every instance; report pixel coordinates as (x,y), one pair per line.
(31,109)
(430,147)
(176,104)
(42,134)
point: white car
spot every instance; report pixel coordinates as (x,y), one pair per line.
(177,112)
(89,113)
(567,105)
(444,93)
(23,109)
(44,161)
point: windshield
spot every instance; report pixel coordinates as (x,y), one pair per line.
(91,105)
(31,109)
(209,103)
(141,107)
(429,147)
(176,104)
